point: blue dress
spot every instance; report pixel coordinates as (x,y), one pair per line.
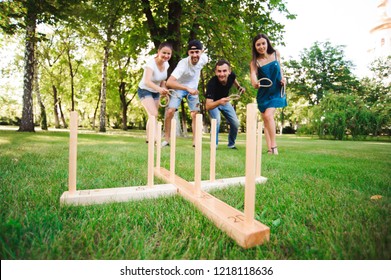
(270,97)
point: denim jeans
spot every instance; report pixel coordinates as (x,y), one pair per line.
(193,101)
(142,93)
(229,113)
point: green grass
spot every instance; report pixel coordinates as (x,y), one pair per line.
(317,200)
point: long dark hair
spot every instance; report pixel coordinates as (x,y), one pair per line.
(255,54)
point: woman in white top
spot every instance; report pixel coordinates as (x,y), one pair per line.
(153,82)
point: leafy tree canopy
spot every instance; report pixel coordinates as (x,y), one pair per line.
(322,68)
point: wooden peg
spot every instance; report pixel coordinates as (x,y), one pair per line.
(172,149)
(212,174)
(198,154)
(249,195)
(259,151)
(72,152)
(158,146)
(151,149)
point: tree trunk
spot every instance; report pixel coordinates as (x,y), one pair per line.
(124,105)
(96,110)
(102,127)
(55,107)
(174,32)
(72,80)
(62,115)
(27,121)
(44,122)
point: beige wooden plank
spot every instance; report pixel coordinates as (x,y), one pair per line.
(212,162)
(123,194)
(258,168)
(72,152)
(151,149)
(251,146)
(225,217)
(107,195)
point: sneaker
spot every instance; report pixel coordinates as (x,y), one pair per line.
(165,144)
(232,147)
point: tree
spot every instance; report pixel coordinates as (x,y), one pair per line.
(101,21)
(322,68)
(25,15)
(44,122)
(129,42)
(376,93)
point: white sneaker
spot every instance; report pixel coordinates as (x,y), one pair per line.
(165,144)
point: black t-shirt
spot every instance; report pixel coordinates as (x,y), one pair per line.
(215,90)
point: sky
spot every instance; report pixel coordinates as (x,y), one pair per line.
(342,22)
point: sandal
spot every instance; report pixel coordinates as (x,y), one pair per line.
(269,152)
(274,150)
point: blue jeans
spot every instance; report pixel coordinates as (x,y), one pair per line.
(193,101)
(229,113)
(143,93)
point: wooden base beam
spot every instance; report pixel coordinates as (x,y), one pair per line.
(230,220)
(124,194)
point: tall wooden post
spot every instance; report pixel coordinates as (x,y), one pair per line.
(151,149)
(172,149)
(259,151)
(198,154)
(212,174)
(158,146)
(249,195)
(72,153)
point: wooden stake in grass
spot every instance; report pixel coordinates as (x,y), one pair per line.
(158,146)
(151,150)
(198,155)
(251,146)
(212,175)
(259,151)
(172,149)
(72,153)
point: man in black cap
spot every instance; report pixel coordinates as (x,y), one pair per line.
(184,80)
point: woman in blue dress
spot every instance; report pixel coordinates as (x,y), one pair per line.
(267,77)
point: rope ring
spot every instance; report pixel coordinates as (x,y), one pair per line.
(265,79)
(236,95)
(167,98)
(282,92)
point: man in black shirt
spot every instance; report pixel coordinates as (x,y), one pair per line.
(217,99)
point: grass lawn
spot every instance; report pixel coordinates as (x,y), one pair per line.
(317,200)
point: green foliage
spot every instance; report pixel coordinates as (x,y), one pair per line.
(11,13)
(342,106)
(341,115)
(381,68)
(322,68)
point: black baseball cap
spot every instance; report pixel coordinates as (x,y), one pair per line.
(195,45)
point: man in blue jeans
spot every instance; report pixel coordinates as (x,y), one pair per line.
(217,99)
